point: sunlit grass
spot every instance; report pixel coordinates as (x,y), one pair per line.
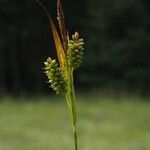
(104,123)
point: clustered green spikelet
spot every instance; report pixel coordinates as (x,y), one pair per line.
(75,51)
(55,76)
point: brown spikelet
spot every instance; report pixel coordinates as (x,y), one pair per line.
(61,21)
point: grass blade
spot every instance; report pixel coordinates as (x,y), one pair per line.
(58,44)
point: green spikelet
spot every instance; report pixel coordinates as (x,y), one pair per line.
(75,51)
(55,76)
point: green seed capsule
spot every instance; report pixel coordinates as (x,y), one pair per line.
(55,76)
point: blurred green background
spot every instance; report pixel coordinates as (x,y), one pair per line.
(104,123)
(112,85)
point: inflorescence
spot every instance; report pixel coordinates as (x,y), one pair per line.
(56,77)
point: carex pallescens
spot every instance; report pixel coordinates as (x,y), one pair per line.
(69,55)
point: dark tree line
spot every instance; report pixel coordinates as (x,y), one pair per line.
(117,36)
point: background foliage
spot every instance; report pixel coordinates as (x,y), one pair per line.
(117,36)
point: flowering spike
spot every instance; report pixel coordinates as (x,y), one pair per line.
(75,51)
(55,76)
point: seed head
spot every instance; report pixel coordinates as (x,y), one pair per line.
(75,51)
(55,76)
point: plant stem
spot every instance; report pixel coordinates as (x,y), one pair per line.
(71,100)
(74,113)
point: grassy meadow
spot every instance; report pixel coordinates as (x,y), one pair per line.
(104,123)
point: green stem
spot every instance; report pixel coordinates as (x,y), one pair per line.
(71,100)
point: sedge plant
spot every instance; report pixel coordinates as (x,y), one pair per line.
(69,55)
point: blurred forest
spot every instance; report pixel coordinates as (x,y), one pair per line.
(117,35)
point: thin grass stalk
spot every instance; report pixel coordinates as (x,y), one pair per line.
(71,100)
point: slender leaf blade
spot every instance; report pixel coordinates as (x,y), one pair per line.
(59,47)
